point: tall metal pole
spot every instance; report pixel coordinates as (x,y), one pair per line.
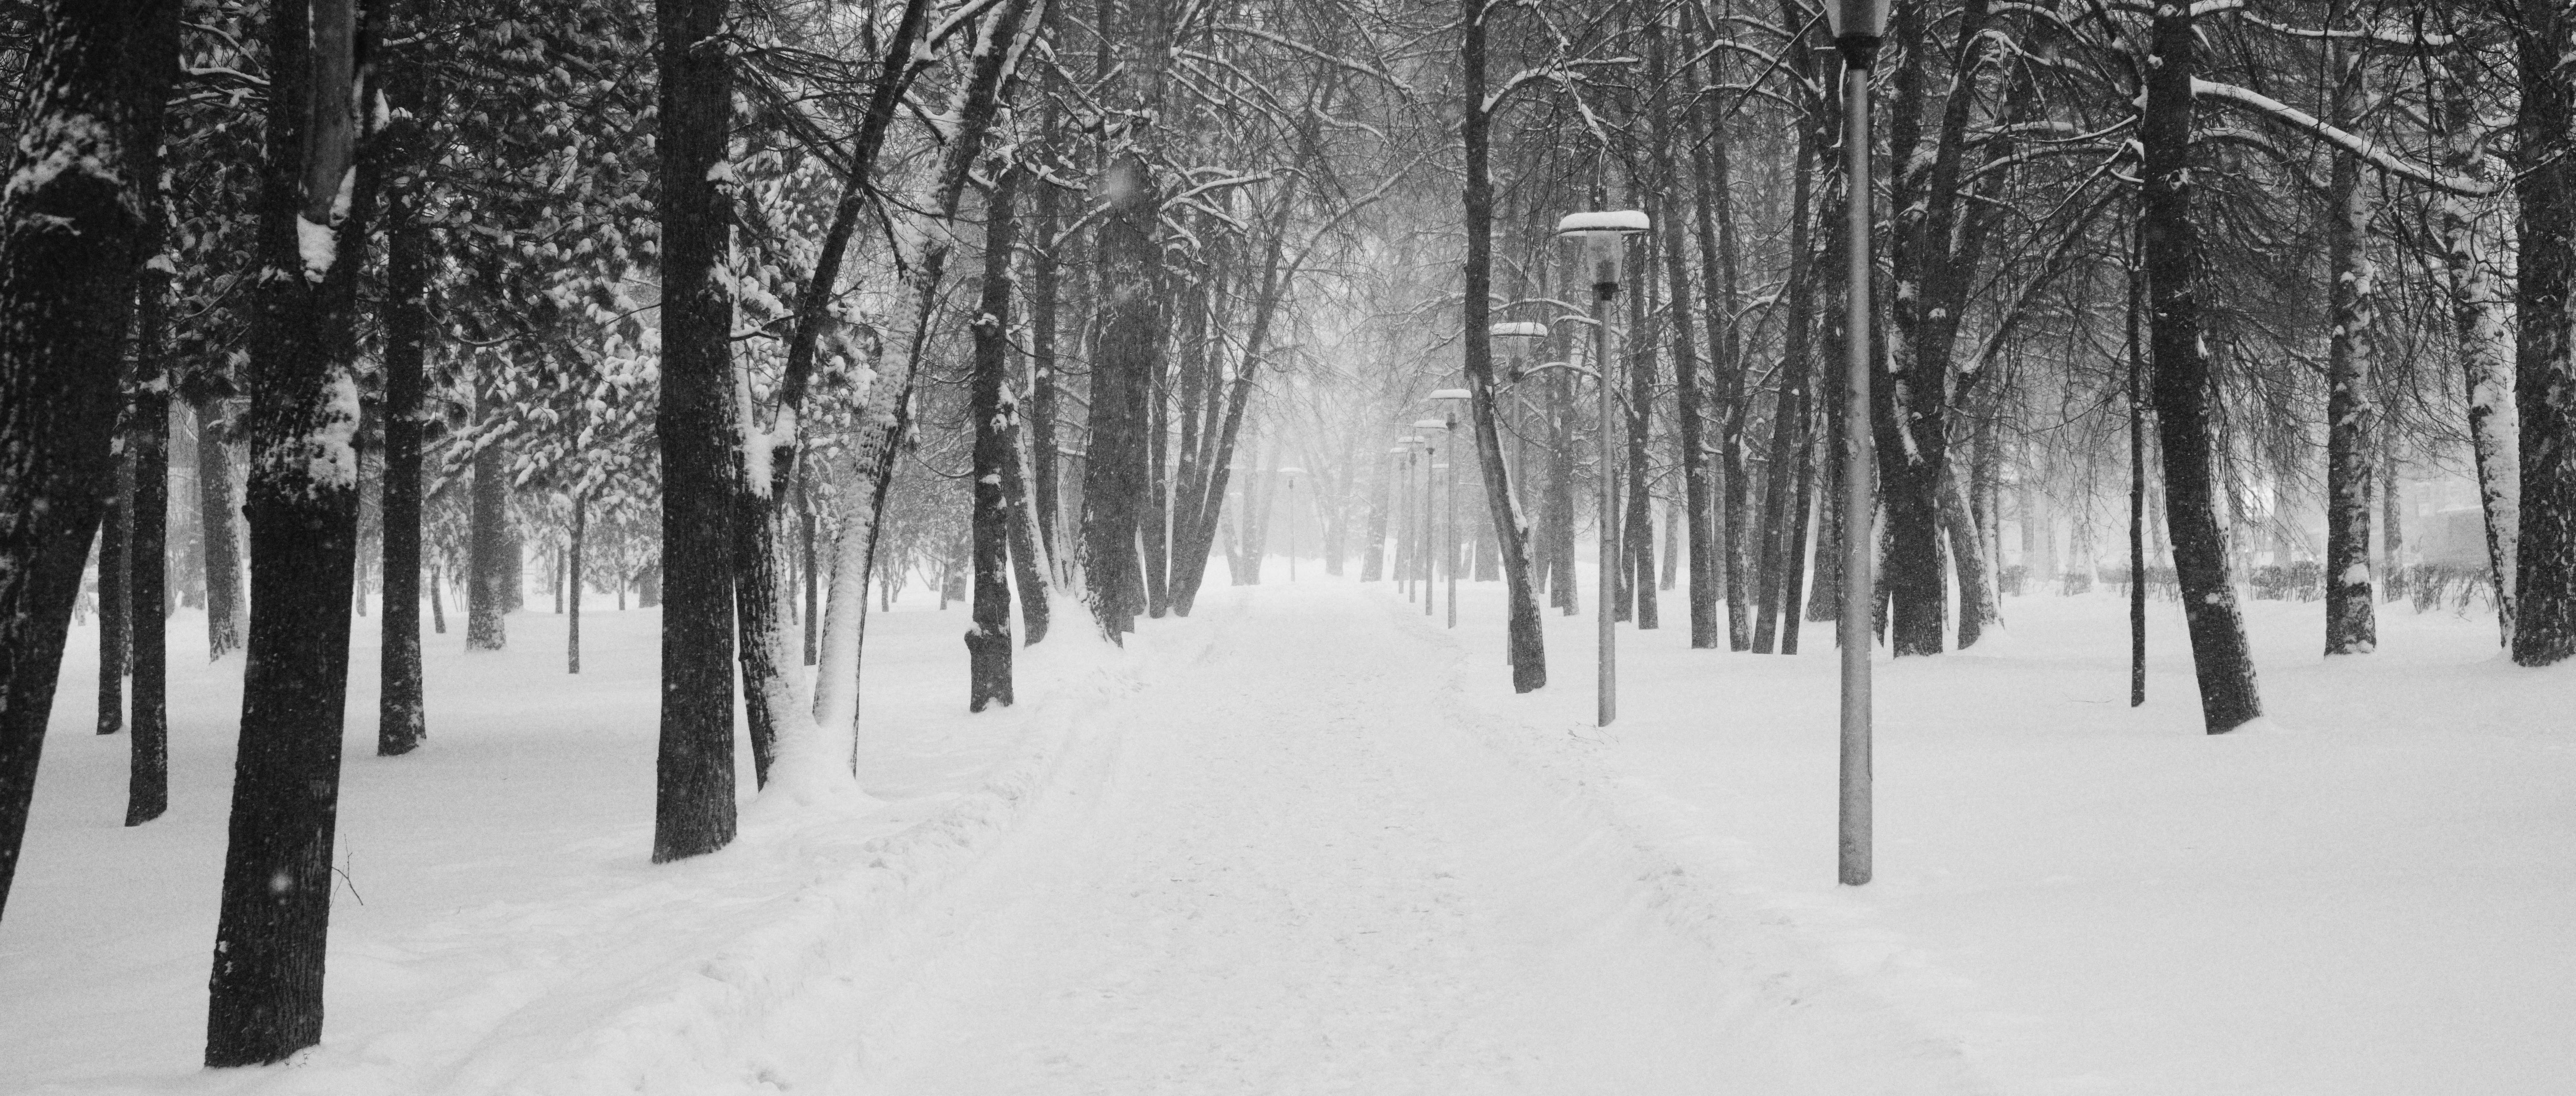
(1430,528)
(1406,549)
(1608,686)
(1292,528)
(1858,599)
(1451,555)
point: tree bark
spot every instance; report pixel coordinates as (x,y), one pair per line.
(2544,594)
(988,642)
(115,592)
(401,717)
(697,426)
(2351,622)
(265,994)
(1511,531)
(572,585)
(2170,244)
(147,554)
(490,566)
(2485,335)
(218,517)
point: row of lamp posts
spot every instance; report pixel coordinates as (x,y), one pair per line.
(1858,27)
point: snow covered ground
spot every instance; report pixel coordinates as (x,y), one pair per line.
(1309,841)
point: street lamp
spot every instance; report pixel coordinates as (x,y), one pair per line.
(1292,473)
(1406,548)
(1430,450)
(1858,25)
(1449,399)
(1604,235)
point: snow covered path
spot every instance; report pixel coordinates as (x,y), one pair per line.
(1285,869)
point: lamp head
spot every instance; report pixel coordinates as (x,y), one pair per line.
(1430,424)
(1866,18)
(1604,235)
(1510,331)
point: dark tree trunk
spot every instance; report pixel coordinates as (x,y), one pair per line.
(2182,383)
(265,995)
(401,717)
(2137,493)
(115,587)
(1114,478)
(2544,594)
(1511,532)
(572,586)
(1686,375)
(988,642)
(697,427)
(217,520)
(491,552)
(757,604)
(1637,540)
(147,550)
(1793,557)
(67,275)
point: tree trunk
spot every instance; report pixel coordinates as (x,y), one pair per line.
(401,720)
(2221,662)
(115,592)
(988,642)
(265,995)
(697,426)
(2485,335)
(572,586)
(67,270)
(490,573)
(1511,530)
(2544,589)
(2351,622)
(1637,549)
(218,519)
(148,775)
(1693,445)
(1043,295)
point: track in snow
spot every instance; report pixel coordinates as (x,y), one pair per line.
(1286,869)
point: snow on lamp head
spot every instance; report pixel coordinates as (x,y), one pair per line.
(1604,235)
(1449,399)
(1516,336)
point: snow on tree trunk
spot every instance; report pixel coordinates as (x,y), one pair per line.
(697,425)
(2485,332)
(265,994)
(989,642)
(1524,642)
(2221,661)
(2544,588)
(2351,622)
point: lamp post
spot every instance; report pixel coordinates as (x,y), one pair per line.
(1430,529)
(1514,337)
(1604,235)
(1407,548)
(1858,26)
(1291,473)
(1449,399)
